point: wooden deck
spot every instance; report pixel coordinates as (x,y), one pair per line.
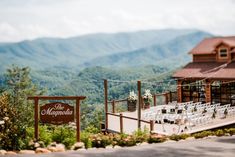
(130,125)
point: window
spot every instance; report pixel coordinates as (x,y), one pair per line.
(223,93)
(193,91)
(223,53)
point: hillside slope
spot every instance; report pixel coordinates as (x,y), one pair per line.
(166,54)
(98,49)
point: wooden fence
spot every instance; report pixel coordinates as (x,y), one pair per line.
(158,99)
(166,98)
(121,118)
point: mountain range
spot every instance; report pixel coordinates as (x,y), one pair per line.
(166,47)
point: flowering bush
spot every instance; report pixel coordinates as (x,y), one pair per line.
(132,97)
(101,140)
(147,96)
(127,140)
(11,135)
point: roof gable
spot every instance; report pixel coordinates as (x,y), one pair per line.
(208,45)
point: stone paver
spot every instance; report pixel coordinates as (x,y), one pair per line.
(213,147)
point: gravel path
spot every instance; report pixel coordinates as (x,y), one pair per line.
(212,147)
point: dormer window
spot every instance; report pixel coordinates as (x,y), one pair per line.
(223,53)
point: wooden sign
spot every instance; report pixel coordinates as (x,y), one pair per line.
(56,113)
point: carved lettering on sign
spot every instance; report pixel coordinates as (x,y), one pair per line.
(56,113)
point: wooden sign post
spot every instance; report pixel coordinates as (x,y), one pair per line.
(139,103)
(56,112)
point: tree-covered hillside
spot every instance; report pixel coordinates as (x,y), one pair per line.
(115,50)
(89,82)
(78,65)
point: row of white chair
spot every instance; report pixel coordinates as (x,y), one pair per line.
(194,118)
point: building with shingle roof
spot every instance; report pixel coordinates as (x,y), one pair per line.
(210,77)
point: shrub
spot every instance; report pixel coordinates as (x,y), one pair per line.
(154,138)
(219,132)
(203,134)
(174,137)
(128,140)
(184,136)
(12,135)
(45,135)
(27,142)
(86,139)
(65,135)
(101,140)
(179,137)
(92,129)
(116,139)
(231,131)
(123,140)
(141,136)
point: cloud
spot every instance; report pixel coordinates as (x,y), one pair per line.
(29,19)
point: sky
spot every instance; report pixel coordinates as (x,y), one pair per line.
(30,19)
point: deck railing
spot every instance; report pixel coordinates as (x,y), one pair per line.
(121,117)
(161,99)
(158,99)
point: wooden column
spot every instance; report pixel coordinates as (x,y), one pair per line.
(78,119)
(139,103)
(166,98)
(154,100)
(36,117)
(121,123)
(106,103)
(208,91)
(179,91)
(113,106)
(170,96)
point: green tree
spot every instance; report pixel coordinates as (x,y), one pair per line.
(19,85)
(91,115)
(18,112)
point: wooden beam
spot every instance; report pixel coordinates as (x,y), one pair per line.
(56,97)
(121,123)
(132,118)
(170,96)
(151,125)
(120,100)
(166,98)
(154,100)
(106,103)
(139,103)
(113,106)
(179,91)
(78,119)
(36,117)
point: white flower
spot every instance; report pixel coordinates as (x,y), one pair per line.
(147,94)
(2,122)
(6,118)
(132,96)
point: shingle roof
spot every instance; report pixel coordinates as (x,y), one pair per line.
(208,45)
(207,70)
